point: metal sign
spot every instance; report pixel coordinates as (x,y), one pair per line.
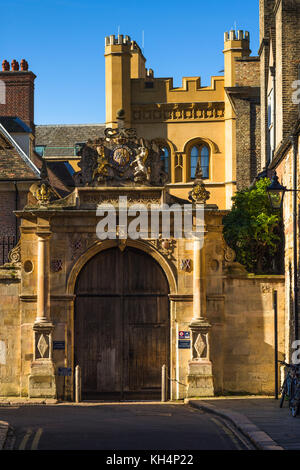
(184,344)
(184,334)
(59,344)
(64,371)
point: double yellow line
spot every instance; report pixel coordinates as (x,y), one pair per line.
(36,439)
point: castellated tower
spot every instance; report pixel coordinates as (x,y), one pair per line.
(123,61)
(117,77)
(236,46)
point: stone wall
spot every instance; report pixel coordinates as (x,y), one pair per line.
(248,362)
(10,333)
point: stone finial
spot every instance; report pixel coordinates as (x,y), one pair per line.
(199,194)
(5,66)
(150,73)
(24,65)
(15,65)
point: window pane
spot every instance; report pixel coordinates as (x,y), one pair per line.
(165,158)
(40,150)
(194,160)
(205,162)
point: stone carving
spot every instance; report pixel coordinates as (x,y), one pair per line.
(165,246)
(42,346)
(120,158)
(199,194)
(56,265)
(76,247)
(186,265)
(43,194)
(178,112)
(201,346)
(140,174)
(14,256)
(229,254)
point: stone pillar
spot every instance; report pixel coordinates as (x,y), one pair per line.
(42,374)
(200,378)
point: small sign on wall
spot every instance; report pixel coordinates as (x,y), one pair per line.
(184,334)
(59,344)
(184,344)
(64,371)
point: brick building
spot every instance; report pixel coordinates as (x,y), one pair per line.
(280,126)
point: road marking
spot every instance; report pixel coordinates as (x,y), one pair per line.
(25,439)
(228,432)
(36,439)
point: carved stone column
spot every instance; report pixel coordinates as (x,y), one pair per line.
(200,378)
(42,374)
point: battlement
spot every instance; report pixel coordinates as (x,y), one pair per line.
(239,35)
(120,39)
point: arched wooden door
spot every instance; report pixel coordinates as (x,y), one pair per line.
(121,325)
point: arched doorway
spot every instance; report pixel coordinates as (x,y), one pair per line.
(121,325)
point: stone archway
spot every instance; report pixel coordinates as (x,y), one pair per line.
(121,325)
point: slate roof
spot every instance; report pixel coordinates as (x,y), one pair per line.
(59,176)
(14,125)
(65,137)
(15,165)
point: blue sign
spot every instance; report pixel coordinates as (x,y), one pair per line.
(65,371)
(184,344)
(59,344)
(184,334)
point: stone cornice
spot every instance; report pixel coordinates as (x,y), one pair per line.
(177,112)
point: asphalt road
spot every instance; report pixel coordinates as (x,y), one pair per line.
(118,427)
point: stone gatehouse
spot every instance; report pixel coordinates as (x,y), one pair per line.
(122,308)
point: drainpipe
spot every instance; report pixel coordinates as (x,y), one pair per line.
(294,140)
(16,208)
(273,75)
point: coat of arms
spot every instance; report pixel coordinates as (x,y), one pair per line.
(121,155)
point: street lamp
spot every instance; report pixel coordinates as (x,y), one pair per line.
(276,193)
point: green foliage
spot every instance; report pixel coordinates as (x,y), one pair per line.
(252,229)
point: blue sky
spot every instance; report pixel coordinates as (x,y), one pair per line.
(63,41)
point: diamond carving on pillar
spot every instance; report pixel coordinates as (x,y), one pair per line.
(201,346)
(42,346)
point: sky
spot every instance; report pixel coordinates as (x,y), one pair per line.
(63,41)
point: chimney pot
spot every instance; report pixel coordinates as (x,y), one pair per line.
(15,65)
(5,66)
(24,65)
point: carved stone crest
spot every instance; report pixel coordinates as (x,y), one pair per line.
(120,158)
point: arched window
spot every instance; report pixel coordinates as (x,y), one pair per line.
(165,155)
(200,156)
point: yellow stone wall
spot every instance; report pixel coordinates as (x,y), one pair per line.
(179,117)
(239,306)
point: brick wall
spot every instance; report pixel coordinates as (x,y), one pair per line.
(247,141)
(287,62)
(267,35)
(247,72)
(19,95)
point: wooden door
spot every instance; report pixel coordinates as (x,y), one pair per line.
(121,325)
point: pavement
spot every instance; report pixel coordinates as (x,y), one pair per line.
(259,419)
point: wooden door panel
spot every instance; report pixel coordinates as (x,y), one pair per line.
(98,332)
(148,353)
(121,323)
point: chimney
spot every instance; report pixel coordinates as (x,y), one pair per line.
(18,83)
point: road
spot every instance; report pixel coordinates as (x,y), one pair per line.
(125,426)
